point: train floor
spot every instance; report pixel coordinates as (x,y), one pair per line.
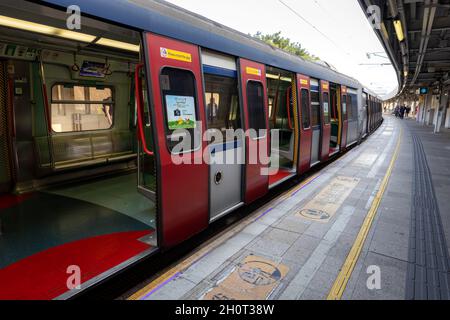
(96,226)
(374,224)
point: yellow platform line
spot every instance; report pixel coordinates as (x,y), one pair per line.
(216,241)
(344,275)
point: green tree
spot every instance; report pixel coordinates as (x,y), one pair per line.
(285,44)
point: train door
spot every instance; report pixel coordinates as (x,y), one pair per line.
(5,167)
(306,134)
(326,126)
(254,103)
(177,120)
(344,117)
(316,123)
(335,118)
(284,124)
(224,124)
(364,115)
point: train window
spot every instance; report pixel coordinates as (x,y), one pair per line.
(77,108)
(222,103)
(346,108)
(179,95)
(326,108)
(256,112)
(349,108)
(306,117)
(352,107)
(315,109)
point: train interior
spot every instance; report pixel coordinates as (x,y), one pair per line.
(282,115)
(77,190)
(335,104)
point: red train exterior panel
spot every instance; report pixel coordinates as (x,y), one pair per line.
(304,162)
(256,183)
(183,189)
(326,125)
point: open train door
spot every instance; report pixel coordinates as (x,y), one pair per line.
(254,96)
(178,120)
(344,118)
(304,162)
(326,126)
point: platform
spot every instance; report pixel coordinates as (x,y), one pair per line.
(380,210)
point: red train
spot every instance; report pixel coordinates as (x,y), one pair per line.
(90,121)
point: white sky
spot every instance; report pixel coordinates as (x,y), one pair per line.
(349,36)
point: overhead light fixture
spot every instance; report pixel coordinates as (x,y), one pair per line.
(399,30)
(118,44)
(47,30)
(277,77)
(63,33)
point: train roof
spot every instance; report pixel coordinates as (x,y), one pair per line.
(169,20)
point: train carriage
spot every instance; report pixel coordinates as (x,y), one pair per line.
(91,118)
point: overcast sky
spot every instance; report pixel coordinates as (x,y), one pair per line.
(340,35)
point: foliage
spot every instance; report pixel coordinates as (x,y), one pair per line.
(285,44)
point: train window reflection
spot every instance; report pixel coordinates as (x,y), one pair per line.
(222,103)
(315,109)
(326,108)
(81,108)
(306,121)
(256,112)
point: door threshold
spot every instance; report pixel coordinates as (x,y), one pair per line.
(333,153)
(314,164)
(227,211)
(273,185)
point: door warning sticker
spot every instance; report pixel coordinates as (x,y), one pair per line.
(253,71)
(175,55)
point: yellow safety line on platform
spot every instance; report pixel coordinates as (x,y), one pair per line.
(338,288)
(216,241)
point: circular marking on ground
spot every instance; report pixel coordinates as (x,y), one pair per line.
(259,273)
(315,214)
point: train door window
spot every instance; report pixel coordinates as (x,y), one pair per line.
(352,107)
(315,109)
(77,108)
(346,112)
(326,107)
(179,95)
(306,117)
(256,112)
(349,108)
(222,103)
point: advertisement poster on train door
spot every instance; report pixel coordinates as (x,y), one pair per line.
(180,112)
